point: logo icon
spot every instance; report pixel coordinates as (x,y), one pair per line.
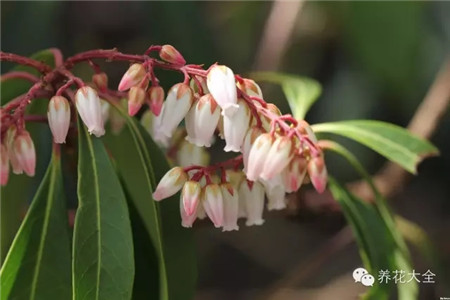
(361,275)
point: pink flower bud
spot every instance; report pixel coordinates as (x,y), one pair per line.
(156,96)
(202,120)
(249,139)
(191,196)
(235,127)
(187,220)
(133,76)
(250,87)
(170,184)
(4,172)
(101,81)
(10,138)
(178,102)
(252,195)
(58,115)
(294,174)
(230,207)
(258,156)
(136,97)
(279,156)
(90,110)
(213,203)
(171,55)
(222,86)
(25,153)
(189,154)
(318,173)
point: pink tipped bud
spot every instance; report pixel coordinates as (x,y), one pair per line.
(136,97)
(294,174)
(25,153)
(10,138)
(230,207)
(205,111)
(101,81)
(188,220)
(249,139)
(258,156)
(213,203)
(58,115)
(279,156)
(191,196)
(171,55)
(4,172)
(90,109)
(250,87)
(222,86)
(318,173)
(236,127)
(170,184)
(252,196)
(178,102)
(156,96)
(133,76)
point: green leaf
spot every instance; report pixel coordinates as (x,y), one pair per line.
(300,92)
(14,87)
(38,265)
(142,164)
(103,264)
(21,188)
(393,142)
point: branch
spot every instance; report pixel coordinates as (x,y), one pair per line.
(25,61)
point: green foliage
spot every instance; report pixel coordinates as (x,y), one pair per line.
(38,264)
(300,92)
(393,142)
(103,265)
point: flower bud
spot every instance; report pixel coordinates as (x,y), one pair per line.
(279,156)
(156,96)
(222,85)
(136,97)
(58,115)
(213,203)
(258,156)
(318,173)
(170,184)
(90,110)
(202,120)
(294,174)
(133,76)
(252,195)
(4,172)
(249,139)
(186,220)
(25,153)
(191,196)
(266,122)
(230,207)
(101,81)
(189,154)
(10,138)
(235,127)
(250,87)
(178,102)
(276,197)
(171,55)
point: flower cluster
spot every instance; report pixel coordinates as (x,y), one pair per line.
(276,153)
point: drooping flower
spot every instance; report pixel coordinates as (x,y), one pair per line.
(58,115)
(276,196)
(250,87)
(294,174)
(136,97)
(252,195)
(156,98)
(258,156)
(249,139)
(133,76)
(25,153)
(213,203)
(90,110)
(318,173)
(280,155)
(171,55)
(187,220)
(202,120)
(222,86)
(170,184)
(100,80)
(230,207)
(235,127)
(10,138)
(190,196)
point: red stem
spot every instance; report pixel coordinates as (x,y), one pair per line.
(19,75)
(25,61)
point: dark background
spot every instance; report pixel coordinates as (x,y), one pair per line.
(375,60)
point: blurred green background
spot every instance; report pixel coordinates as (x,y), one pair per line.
(375,60)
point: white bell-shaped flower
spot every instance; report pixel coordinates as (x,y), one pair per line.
(90,110)
(236,127)
(222,86)
(202,120)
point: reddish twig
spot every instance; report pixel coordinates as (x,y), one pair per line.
(25,61)
(19,75)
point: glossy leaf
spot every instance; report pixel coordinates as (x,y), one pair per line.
(393,142)
(103,264)
(145,164)
(300,92)
(38,265)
